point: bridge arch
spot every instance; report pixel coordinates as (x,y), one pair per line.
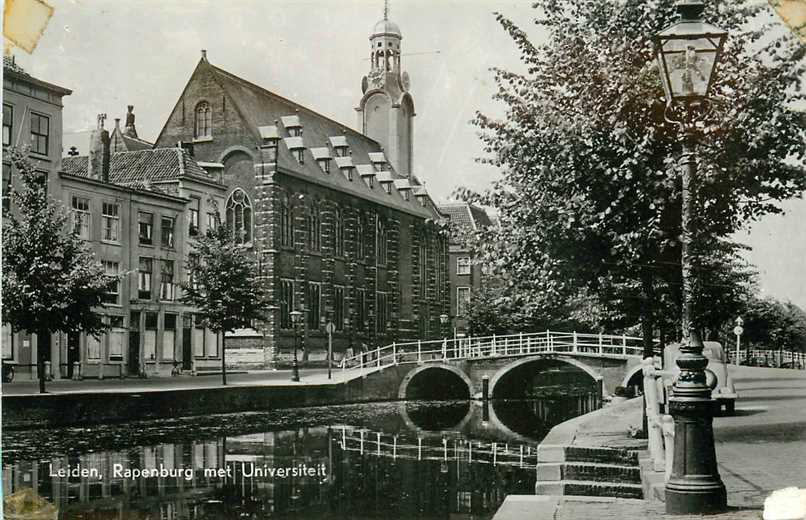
(412,425)
(630,377)
(505,370)
(403,390)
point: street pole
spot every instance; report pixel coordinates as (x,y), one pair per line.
(329,328)
(694,485)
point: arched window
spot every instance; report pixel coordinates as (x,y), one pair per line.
(338,232)
(286,223)
(313,227)
(360,252)
(239,216)
(204,120)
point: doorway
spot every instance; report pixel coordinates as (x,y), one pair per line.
(187,351)
(73,342)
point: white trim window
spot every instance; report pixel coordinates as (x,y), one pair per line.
(204,120)
(462,300)
(239,216)
(110,222)
(112,296)
(81,217)
(463,265)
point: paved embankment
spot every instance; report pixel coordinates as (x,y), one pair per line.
(120,402)
(759,449)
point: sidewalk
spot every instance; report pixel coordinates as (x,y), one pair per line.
(308,376)
(759,449)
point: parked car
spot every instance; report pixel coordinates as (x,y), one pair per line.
(725,391)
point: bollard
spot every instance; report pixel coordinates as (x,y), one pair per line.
(655,434)
(101,371)
(76,371)
(668,436)
(485,388)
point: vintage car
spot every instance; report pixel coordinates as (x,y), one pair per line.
(725,392)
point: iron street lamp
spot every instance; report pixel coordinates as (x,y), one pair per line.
(687,53)
(296,317)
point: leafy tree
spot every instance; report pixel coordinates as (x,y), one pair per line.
(51,280)
(225,285)
(771,324)
(590,196)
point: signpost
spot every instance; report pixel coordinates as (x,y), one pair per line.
(738,330)
(329,328)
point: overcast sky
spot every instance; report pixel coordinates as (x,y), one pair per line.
(314,52)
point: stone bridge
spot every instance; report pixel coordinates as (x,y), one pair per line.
(499,366)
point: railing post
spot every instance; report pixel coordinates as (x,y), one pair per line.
(521,341)
(624,344)
(394,353)
(601,347)
(419,351)
(378,355)
(576,346)
(548,340)
(493,345)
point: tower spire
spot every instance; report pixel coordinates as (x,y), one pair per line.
(385,9)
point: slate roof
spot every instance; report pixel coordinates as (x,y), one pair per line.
(466,216)
(131,143)
(261,108)
(143,167)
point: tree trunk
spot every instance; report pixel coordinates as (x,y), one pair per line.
(223,357)
(41,345)
(647,312)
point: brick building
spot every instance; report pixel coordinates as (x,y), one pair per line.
(342,228)
(465,276)
(131,209)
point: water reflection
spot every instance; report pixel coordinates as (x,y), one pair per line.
(428,460)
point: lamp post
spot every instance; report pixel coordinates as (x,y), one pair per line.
(443,320)
(687,53)
(738,330)
(296,317)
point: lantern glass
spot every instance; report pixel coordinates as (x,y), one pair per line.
(687,54)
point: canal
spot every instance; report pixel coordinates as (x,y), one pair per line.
(413,459)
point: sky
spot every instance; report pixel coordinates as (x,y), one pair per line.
(142,53)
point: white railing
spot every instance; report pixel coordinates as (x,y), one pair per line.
(774,357)
(603,345)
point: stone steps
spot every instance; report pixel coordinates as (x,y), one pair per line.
(587,471)
(588,488)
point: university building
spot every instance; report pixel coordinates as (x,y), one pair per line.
(138,211)
(343,230)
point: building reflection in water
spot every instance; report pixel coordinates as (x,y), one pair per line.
(411,469)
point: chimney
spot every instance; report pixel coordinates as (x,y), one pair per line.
(186,146)
(129,130)
(98,161)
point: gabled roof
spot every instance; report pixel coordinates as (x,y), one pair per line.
(143,167)
(466,216)
(261,108)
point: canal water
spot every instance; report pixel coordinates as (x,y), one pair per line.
(415,459)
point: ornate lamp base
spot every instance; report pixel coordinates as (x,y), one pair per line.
(694,485)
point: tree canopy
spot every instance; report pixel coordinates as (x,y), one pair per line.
(590,198)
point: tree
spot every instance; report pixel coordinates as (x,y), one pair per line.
(52,281)
(771,324)
(590,196)
(224,285)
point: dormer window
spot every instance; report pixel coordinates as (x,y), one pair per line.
(340,146)
(324,164)
(406,194)
(341,151)
(379,166)
(299,154)
(345,164)
(297,148)
(292,125)
(348,172)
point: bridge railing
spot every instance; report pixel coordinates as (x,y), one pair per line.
(771,356)
(521,344)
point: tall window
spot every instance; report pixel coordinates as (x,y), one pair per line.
(110,221)
(463,265)
(8,123)
(361,308)
(299,155)
(144,278)
(381,242)
(338,232)
(112,295)
(204,120)
(40,133)
(313,225)
(314,302)
(423,261)
(338,307)
(462,299)
(150,336)
(286,303)
(81,217)
(360,239)
(167,232)
(239,216)
(212,219)
(167,280)
(117,336)
(381,310)
(286,223)
(145,227)
(193,261)
(193,217)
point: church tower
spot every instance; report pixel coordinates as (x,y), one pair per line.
(386,110)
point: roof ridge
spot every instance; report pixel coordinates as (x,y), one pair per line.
(181,156)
